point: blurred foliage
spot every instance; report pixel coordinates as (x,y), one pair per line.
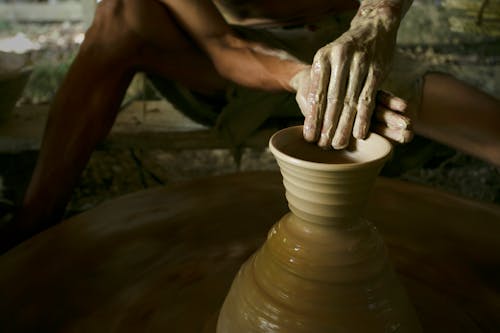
(5,25)
(474,17)
(44,81)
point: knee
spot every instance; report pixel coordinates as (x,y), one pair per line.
(111,35)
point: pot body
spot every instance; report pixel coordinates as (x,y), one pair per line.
(322,267)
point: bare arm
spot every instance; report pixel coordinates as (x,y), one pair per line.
(246,63)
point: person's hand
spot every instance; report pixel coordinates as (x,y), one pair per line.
(340,91)
(389,113)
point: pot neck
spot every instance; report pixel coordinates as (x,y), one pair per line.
(328,197)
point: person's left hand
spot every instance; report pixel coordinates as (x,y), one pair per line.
(340,91)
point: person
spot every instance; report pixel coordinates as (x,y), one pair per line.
(233,64)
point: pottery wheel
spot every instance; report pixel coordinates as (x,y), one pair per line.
(162,260)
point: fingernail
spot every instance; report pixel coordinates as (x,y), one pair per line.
(364,131)
(339,146)
(401,102)
(309,137)
(323,140)
(357,132)
(308,132)
(401,124)
(340,143)
(403,136)
(407,136)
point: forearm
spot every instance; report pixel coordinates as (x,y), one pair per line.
(252,64)
(388,12)
(247,63)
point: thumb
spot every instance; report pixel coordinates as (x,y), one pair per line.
(301,84)
(301,98)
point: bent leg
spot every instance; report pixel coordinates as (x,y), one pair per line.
(126,36)
(460,116)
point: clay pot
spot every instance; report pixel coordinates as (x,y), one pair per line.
(322,268)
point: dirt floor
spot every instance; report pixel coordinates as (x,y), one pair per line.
(425,36)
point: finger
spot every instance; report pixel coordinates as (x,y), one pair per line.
(391,102)
(357,76)
(303,105)
(391,119)
(335,95)
(399,135)
(316,96)
(366,104)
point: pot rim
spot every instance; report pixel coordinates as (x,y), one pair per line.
(385,153)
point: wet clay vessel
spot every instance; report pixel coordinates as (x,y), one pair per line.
(322,268)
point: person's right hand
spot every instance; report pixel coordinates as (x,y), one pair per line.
(388,120)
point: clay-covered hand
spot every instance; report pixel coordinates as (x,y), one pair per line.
(339,92)
(388,116)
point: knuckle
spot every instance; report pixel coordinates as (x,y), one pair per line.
(341,50)
(332,98)
(377,75)
(363,115)
(350,103)
(313,98)
(320,56)
(361,59)
(366,101)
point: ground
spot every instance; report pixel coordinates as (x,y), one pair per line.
(425,35)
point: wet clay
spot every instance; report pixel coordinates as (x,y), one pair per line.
(322,268)
(163,259)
